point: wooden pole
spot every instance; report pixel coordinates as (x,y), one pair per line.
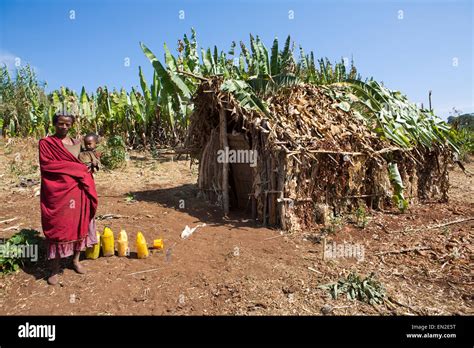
(429,99)
(225,164)
(265,209)
(273,198)
(281,187)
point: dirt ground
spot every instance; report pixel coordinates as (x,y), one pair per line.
(235,266)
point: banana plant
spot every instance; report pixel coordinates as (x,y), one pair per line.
(398,187)
(172,92)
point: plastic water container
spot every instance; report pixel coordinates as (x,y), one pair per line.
(122,244)
(142,248)
(107,242)
(158,244)
(94,251)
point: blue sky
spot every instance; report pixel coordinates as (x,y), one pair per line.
(429,45)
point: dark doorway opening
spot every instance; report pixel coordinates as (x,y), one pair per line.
(240,173)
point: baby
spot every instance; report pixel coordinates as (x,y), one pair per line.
(88,155)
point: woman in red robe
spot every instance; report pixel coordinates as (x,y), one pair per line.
(68,197)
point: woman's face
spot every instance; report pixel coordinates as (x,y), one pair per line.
(63,125)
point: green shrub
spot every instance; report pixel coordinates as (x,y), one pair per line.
(466,140)
(114,153)
(10,260)
(361,216)
(366,290)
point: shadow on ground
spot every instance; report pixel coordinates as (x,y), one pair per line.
(175,197)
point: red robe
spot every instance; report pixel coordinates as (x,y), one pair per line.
(68,195)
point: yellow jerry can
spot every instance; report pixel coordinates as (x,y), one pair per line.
(158,244)
(94,251)
(122,244)
(142,248)
(108,242)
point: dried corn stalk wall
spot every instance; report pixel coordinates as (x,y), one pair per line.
(328,186)
(210,172)
(433,179)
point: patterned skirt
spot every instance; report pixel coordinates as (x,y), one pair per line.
(66,249)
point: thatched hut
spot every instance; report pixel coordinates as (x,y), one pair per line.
(313,158)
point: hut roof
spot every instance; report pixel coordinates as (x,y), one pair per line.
(303,119)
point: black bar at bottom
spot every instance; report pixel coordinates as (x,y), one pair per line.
(81,330)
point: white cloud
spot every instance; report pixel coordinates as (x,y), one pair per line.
(13,61)
(7,59)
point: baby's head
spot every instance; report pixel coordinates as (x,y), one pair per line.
(90,141)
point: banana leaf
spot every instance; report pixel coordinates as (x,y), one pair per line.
(398,187)
(244,94)
(171,82)
(274,60)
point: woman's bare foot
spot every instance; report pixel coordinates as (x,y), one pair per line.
(78,268)
(53,278)
(76,264)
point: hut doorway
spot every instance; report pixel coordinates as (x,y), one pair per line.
(240,173)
